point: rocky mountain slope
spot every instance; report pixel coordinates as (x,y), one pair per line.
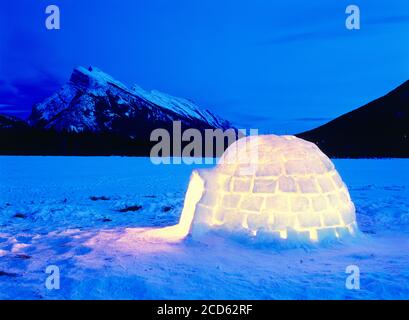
(92,101)
(377,129)
(94,114)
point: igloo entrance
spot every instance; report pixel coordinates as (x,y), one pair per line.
(277,186)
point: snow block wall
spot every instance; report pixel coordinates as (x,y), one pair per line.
(277,186)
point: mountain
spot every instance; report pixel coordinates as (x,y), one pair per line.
(11,123)
(94,114)
(92,101)
(377,129)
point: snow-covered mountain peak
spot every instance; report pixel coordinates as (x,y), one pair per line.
(93,101)
(94,78)
(178,105)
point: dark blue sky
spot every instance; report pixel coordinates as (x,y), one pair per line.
(281,66)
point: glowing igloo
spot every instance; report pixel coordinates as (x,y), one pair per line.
(276,186)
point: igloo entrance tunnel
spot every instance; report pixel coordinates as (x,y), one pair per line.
(268,187)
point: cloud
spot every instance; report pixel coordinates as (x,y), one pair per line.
(20,94)
(313,119)
(12,110)
(389,20)
(332,31)
(300,36)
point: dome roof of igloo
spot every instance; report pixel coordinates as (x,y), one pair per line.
(280,186)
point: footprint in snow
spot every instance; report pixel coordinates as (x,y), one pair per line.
(130,209)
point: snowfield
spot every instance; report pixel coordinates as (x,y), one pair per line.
(73,213)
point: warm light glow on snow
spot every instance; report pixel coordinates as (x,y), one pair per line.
(280,187)
(181,230)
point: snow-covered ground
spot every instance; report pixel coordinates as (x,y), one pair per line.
(72,212)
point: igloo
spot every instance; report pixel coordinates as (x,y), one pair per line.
(270,187)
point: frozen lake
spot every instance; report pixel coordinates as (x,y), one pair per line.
(71,211)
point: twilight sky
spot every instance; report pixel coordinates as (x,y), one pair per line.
(280,66)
